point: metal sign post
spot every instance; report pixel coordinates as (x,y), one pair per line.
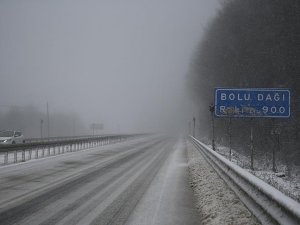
(229,133)
(277,133)
(212,110)
(251,146)
(96,126)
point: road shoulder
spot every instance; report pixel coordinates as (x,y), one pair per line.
(216,202)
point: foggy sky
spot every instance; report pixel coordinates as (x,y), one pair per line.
(121,63)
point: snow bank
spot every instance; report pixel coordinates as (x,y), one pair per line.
(218,205)
(290,186)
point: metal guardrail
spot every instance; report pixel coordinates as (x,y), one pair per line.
(269,205)
(27,151)
(32,140)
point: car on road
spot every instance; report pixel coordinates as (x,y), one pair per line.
(11,137)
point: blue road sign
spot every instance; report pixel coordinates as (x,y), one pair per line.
(230,102)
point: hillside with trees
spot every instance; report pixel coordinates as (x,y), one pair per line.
(251,44)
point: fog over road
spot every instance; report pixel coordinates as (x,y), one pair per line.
(142,181)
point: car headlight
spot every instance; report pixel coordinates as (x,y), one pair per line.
(7,140)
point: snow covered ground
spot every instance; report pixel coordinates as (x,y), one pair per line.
(290,186)
(216,202)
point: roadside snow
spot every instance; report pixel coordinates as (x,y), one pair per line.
(289,185)
(216,202)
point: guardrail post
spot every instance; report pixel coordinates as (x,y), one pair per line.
(23,155)
(30,152)
(6,158)
(43,153)
(49,150)
(15,156)
(36,153)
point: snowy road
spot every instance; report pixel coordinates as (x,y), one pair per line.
(141,181)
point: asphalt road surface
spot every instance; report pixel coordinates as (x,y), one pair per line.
(142,181)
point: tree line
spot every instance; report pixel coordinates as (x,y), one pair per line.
(34,123)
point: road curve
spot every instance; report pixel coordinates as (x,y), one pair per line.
(140,182)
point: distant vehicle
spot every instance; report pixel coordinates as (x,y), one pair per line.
(11,137)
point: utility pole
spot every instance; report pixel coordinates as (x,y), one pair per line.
(42,121)
(74,127)
(93,128)
(212,110)
(194,126)
(48,121)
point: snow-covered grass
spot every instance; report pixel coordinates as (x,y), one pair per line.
(289,185)
(216,202)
